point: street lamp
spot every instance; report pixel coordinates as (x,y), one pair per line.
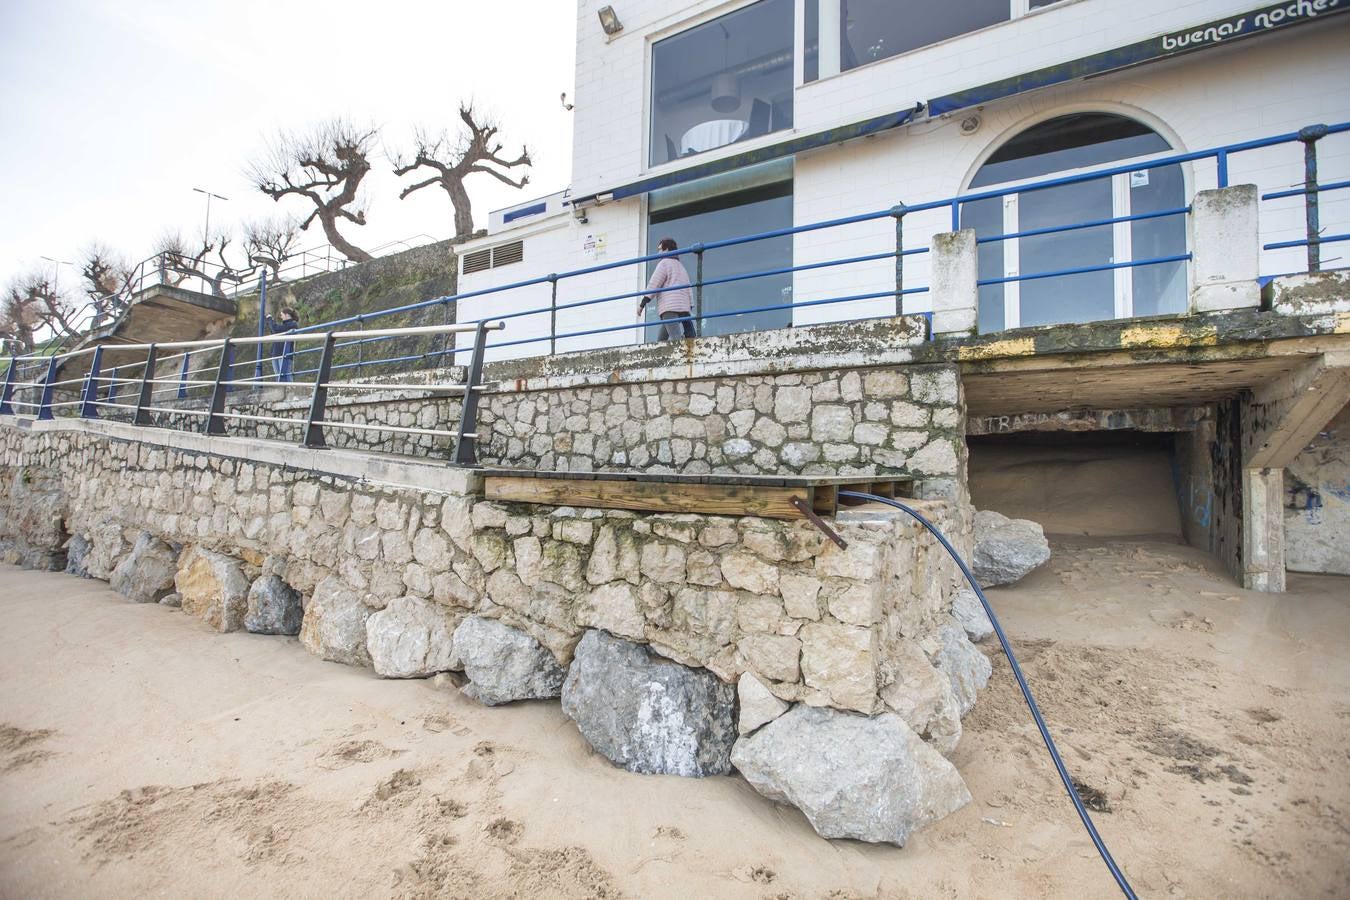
(206,229)
(56,270)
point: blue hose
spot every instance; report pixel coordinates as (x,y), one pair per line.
(1097,841)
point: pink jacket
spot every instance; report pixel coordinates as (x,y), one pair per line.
(670,271)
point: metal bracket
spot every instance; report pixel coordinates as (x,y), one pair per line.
(805,509)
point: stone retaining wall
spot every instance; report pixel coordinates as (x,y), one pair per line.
(750,404)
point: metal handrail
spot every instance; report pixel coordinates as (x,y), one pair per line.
(217,415)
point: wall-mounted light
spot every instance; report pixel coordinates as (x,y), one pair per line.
(609,20)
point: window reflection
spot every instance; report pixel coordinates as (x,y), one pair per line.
(724,81)
(877,29)
(704,216)
(1064,144)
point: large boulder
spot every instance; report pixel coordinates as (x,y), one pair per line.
(1006,549)
(213,588)
(505,664)
(334,627)
(77,555)
(412,638)
(147,572)
(107,547)
(866,778)
(922,695)
(648,714)
(964,665)
(274,607)
(970,615)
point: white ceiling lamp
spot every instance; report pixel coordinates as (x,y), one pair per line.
(726,87)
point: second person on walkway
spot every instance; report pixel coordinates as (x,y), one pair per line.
(669,284)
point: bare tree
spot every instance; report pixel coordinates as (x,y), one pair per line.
(31,305)
(107,281)
(474,149)
(325,167)
(206,261)
(271,242)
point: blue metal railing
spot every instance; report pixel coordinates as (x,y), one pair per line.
(367,350)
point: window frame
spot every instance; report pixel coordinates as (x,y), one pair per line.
(1121,198)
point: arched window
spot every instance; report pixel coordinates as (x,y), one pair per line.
(1060,146)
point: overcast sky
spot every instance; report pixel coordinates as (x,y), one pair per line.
(112,111)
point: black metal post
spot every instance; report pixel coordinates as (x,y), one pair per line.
(6,408)
(262,330)
(143,400)
(215,421)
(898,213)
(698,288)
(45,409)
(89,409)
(1310,136)
(467,439)
(182,376)
(552,316)
(318,403)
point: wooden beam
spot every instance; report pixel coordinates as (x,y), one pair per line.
(1285,415)
(652,496)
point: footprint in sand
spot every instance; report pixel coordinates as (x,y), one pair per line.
(349,753)
(504,831)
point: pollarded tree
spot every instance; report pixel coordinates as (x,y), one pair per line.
(325,167)
(207,261)
(107,281)
(31,305)
(475,149)
(271,242)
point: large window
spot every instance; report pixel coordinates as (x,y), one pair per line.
(1061,145)
(748,201)
(724,81)
(844,34)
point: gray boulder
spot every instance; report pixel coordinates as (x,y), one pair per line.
(146,573)
(970,615)
(866,778)
(334,627)
(77,555)
(648,714)
(107,547)
(1006,549)
(504,664)
(964,665)
(274,607)
(922,695)
(174,600)
(412,638)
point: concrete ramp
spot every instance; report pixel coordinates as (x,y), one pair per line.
(156,315)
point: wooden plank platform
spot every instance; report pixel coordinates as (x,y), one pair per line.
(769,496)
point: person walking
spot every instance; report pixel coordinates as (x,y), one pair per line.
(671,302)
(282,351)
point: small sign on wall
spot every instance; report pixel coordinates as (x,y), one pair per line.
(593,246)
(1139,178)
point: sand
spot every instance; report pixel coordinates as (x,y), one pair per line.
(141,754)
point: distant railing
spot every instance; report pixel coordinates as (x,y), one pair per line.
(100,387)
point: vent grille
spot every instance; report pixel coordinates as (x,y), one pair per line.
(506,254)
(478,261)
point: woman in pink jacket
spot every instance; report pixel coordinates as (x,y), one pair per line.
(671,302)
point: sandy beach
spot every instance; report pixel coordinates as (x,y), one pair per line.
(141,754)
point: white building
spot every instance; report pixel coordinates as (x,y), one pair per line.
(709,120)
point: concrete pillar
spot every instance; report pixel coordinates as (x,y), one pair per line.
(952,286)
(1263,530)
(1225,249)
